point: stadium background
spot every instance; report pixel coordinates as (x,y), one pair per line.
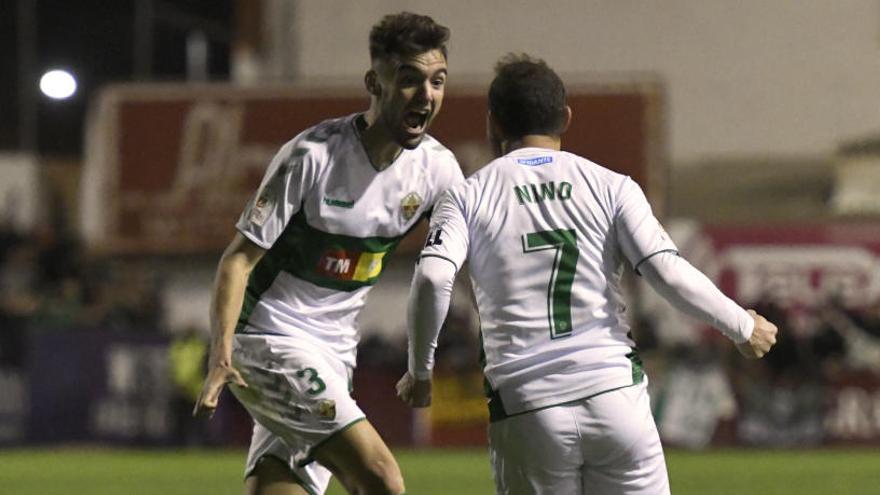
(752,126)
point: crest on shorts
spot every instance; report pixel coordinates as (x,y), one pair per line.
(410,204)
(327,409)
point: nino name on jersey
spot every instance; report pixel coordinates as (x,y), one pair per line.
(328,220)
(545,234)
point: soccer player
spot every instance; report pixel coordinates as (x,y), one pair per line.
(335,201)
(546,233)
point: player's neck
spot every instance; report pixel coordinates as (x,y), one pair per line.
(381,149)
(533,141)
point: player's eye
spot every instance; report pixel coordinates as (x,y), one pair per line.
(438,82)
(409,80)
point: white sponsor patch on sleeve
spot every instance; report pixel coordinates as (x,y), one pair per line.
(262,208)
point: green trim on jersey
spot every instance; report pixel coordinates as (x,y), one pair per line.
(332,261)
(638,371)
(497,412)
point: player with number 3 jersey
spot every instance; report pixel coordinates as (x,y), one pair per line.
(334,203)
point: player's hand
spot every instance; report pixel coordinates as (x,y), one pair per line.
(414,393)
(219,374)
(762,339)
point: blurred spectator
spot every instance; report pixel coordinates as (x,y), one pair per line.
(859,331)
(695,396)
(458,350)
(187,357)
(18,295)
(378,351)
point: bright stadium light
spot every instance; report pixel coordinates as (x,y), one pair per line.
(58,84)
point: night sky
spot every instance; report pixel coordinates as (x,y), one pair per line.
(95,40)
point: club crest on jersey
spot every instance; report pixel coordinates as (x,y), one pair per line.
(327,409)
(409,205)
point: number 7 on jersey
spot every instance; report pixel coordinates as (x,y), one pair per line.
(564,242)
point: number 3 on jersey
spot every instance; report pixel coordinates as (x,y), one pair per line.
(564,242)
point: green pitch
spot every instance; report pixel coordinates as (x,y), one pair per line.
(447,472)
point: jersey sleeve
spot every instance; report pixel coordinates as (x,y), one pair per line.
(639,233)
(451,179)
(279,197)
(448,232)
(447,175)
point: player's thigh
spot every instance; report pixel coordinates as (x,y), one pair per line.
(536,453)
(622,450)
(360,458)
(298,396)
(271,467)
(272,476)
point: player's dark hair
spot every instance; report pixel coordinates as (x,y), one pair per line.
(406,35)
(527,97)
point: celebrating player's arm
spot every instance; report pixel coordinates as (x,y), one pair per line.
(430,294)
(656,258)
(239,258)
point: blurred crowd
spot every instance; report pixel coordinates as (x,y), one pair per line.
(704,393)
(47,282)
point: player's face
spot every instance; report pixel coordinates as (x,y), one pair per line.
(411,95)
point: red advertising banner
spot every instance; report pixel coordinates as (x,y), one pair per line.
(821,285)
(799,265)
(169,168)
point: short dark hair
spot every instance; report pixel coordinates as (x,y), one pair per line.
(527,97)
(406,35)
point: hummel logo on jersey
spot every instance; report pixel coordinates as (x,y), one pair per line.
(546,191)
(338,202)
(538,160)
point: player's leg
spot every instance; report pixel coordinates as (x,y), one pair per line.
(301,394)
(536,453)
(272,470)
(622,448)
(273,476)
(361,461)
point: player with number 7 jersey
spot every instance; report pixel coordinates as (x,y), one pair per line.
(530,224)
(546,234)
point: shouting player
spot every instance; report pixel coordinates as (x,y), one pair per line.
(334,202)
(545,233)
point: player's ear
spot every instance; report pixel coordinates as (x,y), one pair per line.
(371,82)
(567,121)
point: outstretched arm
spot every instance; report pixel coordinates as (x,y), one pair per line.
(654,255)
(230,282)
(430,294)
(691,292)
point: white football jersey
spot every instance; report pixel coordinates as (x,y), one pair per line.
(545,234)
(328,220)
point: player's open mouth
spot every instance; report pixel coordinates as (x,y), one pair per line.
(415,121)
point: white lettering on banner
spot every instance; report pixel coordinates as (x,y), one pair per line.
(207,191)
(805,274)
(136,402)
(855,415)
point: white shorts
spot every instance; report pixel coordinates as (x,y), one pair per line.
(298,395)
(606,444)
